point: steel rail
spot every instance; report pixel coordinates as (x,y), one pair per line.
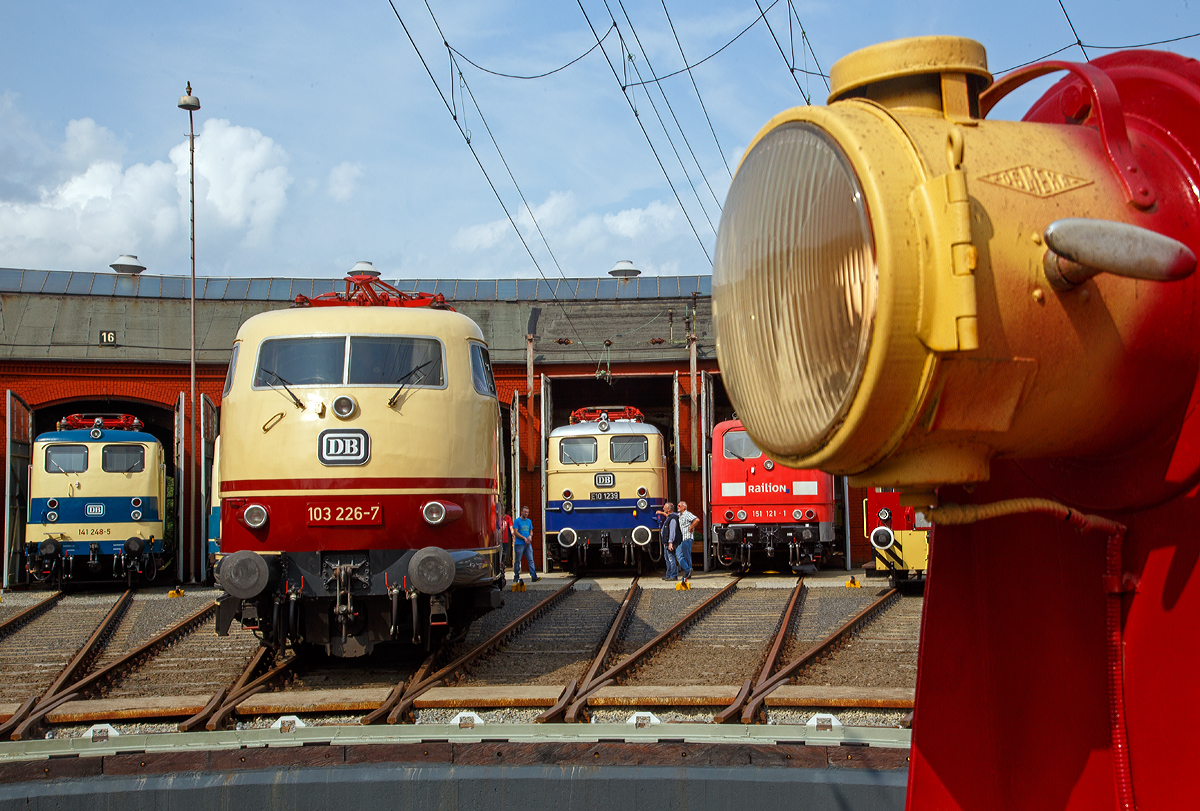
(33,612)
(785,674)
(102,679)
(380,713)
(569,692)
(404,706)
(221,716)
(617,671)
(78,664)
(256,662)
(769,663)
(91,649)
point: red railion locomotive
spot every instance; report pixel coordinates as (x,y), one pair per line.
(767,515)
(359,472)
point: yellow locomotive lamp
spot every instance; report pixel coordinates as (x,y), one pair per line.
(97,496)
(359,472)
(997,319)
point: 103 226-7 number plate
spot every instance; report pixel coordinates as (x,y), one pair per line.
(606,495)
(331,514)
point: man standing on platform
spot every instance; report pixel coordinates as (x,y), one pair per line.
(687,526)
(670,536)
(523,546)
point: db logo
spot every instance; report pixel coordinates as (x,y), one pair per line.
(605,480)
(94,509)
(344,446)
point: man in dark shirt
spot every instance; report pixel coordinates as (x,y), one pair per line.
(671,536)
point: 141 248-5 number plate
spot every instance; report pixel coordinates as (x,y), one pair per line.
(606,495)
(341,515)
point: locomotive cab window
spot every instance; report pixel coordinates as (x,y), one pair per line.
(577,450)
(66,458)
(373,361)
(387,361)
(629,449)
(481,371)
(232,369)
(739,445)
(300,362)
(123,459)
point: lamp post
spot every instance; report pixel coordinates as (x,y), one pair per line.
(191,104)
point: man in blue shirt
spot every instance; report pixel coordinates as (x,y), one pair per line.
(523,546)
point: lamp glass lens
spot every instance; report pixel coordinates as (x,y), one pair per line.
(794,289)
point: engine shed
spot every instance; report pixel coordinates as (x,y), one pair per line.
(75,341)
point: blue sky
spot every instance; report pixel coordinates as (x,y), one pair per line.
(322,139)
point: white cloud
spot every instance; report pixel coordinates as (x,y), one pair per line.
(633,223)
(82,207)
(343,179)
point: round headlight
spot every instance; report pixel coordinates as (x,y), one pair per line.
(729,515)
(344,406)
(136,515)
(885,514)
(434,513)
(642,503)
(794,267)
(642,492)
(768,465)
(567,494)
(95,433)
(52,503)
(797,515)
(255,516)
(52,516)
(741,515)
(882,538)
(567,537)
(810,515)
(567,506)
(135,501)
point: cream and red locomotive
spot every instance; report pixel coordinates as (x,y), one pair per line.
(762,511)
(359,472)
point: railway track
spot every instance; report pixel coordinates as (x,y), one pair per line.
(750,652)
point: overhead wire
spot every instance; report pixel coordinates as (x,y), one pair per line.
(791,67)
(1078,41)
(477,66)
(644,133)
(1068,47)
(662,91)
(806,42)
(695,87)
(453,114)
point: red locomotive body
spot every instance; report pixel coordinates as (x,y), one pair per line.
(762,510)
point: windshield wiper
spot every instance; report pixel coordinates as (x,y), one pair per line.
(60,469)
(284,383)
(735,453)
(404,379)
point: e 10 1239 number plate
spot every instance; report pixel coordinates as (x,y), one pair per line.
(333,514)
(606,495)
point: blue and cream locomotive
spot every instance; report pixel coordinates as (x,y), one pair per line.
(606,477)
(97,496)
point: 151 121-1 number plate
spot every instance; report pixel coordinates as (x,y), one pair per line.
(343,515)
(607,495)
